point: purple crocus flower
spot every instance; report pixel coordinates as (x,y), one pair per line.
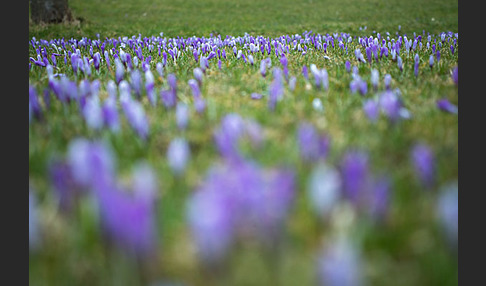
(445,105)
(34,102)
(169,98)
(149,87)
(110,114)
(438,55)
(263,67)
(64,185)
(340,264)
(388,80)
(391,105)
(194,85)
(305,72)
(198,75)
(275,92)
(127,220)
(431,61)
(307,138)
(107,59)
(136,117)
(455,75)
(178,154)
(359,56)
(400,63)
(423,161)
(228,134)
(172,81)
(323,189)
(93,113)
(371,109)
(348,66)
(97,60)
(378,199)
(447,211)
(211,221)
(416,65)
(355,175)
(182,115)
(368,54)
(119,71)
(136,82)
(90,162)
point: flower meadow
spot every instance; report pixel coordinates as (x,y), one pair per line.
(304,159)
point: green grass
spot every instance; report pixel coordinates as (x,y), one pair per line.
(407,249)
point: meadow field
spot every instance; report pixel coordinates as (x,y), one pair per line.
(245,143)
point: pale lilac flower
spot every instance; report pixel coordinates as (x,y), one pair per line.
(423,162)
(144,182)
(136,82)
(431,61)
(312,145)
(136,117)
(182,115)
(388,80)
(375,77)
(193,84)
(275,92)
(178,154)
(90,162)
(447,210)
(292,83)
(263,68)
(227,135)
(198,75)
(256,95)
(119,71)
(110,114)
(323,189)
(211,221)
(340,264)
(159,67)
(93,113)
(390,105)
(149,87)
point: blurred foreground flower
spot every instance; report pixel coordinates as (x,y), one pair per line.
(447,211)
(423,161)
(340,264)
(178,154)
(447,106)
(324,189)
